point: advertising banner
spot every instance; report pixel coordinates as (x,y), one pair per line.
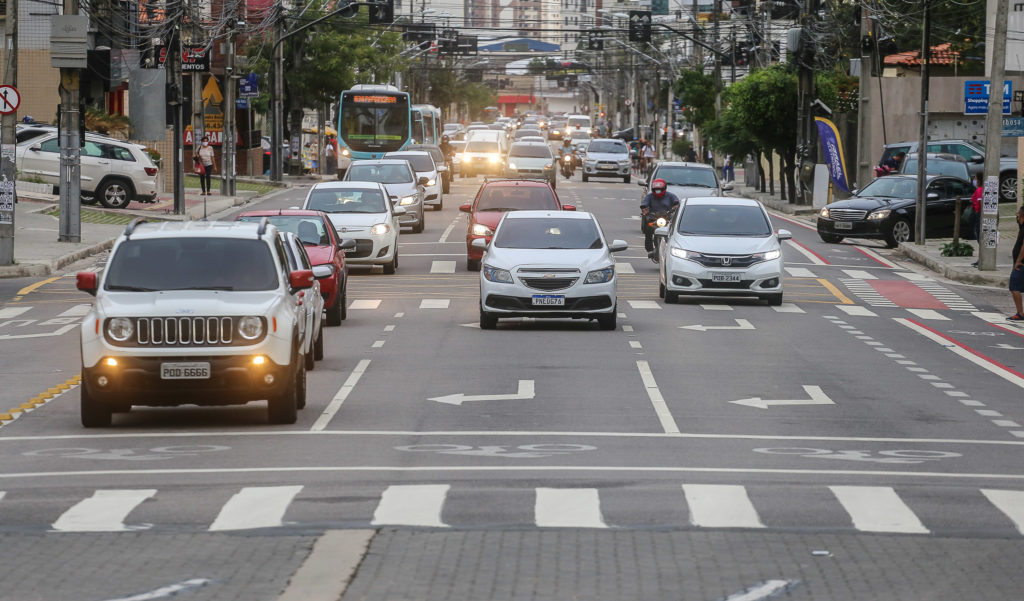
(832,146)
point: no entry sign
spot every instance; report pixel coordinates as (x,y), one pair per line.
(9,99)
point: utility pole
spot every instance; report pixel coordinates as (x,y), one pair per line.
(70,221)
(922,140)
(993,139)
(277,68)
(229,143)
(7,136)
(718,60)
(865,147)
(176,101)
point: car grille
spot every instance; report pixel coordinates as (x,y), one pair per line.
(847,214)
(607,165)
(555,283)
(185,331)
(363,249)
(727,260)
(741,285)
(525,305)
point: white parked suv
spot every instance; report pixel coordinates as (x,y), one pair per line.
(113,172)
(195,312)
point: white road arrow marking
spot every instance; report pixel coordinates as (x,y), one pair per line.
(741,324)
(1009,347)
(817,398)
(526,391)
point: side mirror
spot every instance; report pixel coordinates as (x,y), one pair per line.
(568,207)
(726,187)
(642,183)
(466,208)
(617,246)
(933,195)
(662,231)
(86,281)
(480,243)
(396,211)
(977,158)
(347,244)
(785,235)
(322,271)
(855,191)
(301,279)
(423,181)
(35,147)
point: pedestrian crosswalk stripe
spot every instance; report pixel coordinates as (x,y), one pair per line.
(568,508)
(929,314)
(788,308)
(915,277)
(866,292)
(860,274)
(624,268)
(255,507)
(104,511)
(1010,502)
(435,303)
(857,310)
(721,506)
(411,505)
(11,312)
(878,509)
(365,303)
(946,296)
(800,272)
(442,267)
(643,304)
(77,311)
(2,493)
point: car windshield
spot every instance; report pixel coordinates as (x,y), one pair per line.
(548,233)
(687,176)
(192,264)
(308,229)
(516,198)
(434,151)
(527,132)
(938,167)
(579,121)
(891,187)
(419,162)
(607,147)
(533,151)
(723,220)
(481,146)
(366,200)
(385,174)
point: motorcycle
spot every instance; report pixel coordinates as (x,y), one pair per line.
(651,222)
(568,164)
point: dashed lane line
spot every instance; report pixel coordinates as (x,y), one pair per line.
(339,397)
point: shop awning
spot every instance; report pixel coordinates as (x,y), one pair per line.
(517,99)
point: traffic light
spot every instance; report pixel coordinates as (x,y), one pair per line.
(383,12)
(639,26)
(594,42)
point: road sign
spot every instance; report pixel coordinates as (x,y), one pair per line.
(1013,127)
(976,96)
(10,99)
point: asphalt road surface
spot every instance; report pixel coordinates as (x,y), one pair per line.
(862,441)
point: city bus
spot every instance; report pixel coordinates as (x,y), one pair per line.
(426,124)
(372,120)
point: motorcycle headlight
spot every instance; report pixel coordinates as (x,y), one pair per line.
(880,214)
(567,158)
(380,229)
(480,229)
(407,200)
(511,165)
(600,276)
(823,212)
(684,254)
(661,222)
(494,274)
(250,327)
(120,329)
(769,255)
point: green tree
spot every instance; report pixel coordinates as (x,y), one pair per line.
(696,90)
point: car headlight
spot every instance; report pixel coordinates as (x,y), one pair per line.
(823,212)
(431,181)
(120,329)
(407,200)
(380,229)
(480,229)
(684,254)
(494,158)
(511,165)
(494,274)
(600,276)
(250,327)
(625,162)
(661,222)
(345,152)
(769,255)
(880,214)
(549,165)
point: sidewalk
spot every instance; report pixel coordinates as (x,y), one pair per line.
(37,253)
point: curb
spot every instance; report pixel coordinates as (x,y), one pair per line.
(957,273)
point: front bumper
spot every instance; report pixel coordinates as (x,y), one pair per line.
(234,379)
(481,166)
(861,228)
(516,300)
(372,250)
(432,194)
(601,170)
(547,174)
(683,276)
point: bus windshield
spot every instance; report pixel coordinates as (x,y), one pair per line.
(374,126)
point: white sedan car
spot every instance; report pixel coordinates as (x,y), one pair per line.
(720,246)
(361,211)
(548,264)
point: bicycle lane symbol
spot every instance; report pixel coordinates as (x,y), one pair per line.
(526,451)
(895,456)
(153,454)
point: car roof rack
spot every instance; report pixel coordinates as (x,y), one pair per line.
(128,231)
(262,229)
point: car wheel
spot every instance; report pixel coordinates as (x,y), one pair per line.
(899,231)
(446,186)
(283,409)
(418,228)
(318,345)
(344,299)
(661,290)
(554,183)
(1008,188)
(585,178)
(309,358)
(488,321)
(89,200)
(114,194)
(390,268)
(830,238)
(607,321)
(334,312)
(671,298)
(94,413)
(774,300)
(472,265)
(627,179)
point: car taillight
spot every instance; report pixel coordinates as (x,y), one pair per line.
(151,170)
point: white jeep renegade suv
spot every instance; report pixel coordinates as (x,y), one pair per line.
(196,313)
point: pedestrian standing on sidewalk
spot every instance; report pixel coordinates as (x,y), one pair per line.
(1017,271)
(728,174)
(979,191)
(209,161)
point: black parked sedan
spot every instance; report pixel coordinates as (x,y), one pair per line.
(886,207)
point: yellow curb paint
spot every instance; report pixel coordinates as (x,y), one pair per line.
(27,406)
(5,417)
(33,287)
(13,411)
(53,391)
(46,396)
(64,386)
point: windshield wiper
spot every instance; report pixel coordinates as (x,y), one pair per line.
(694,185)
(130,288)
(229,288)
(497,209)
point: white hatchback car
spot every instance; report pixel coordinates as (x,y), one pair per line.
(548,264)
(361,211)
(721,246)
(423,164)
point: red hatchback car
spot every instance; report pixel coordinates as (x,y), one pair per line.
(325,249)
(497,196)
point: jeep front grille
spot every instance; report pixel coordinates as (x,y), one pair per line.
(185,331)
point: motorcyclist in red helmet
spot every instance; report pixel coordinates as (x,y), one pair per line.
(658,200)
